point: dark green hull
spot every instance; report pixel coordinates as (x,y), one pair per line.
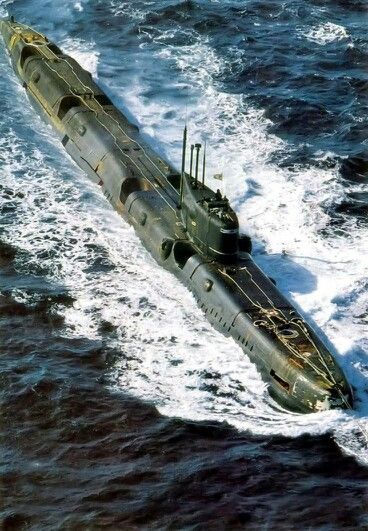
(187,228)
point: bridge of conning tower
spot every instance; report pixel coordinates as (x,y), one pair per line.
(207,216)
(209,220)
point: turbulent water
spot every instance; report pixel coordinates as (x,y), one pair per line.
(120,406)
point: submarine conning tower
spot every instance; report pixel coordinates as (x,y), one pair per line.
(209,221)
(207,216)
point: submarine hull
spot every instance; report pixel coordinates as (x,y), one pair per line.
(170,212)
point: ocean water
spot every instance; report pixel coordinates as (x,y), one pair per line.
(121,407)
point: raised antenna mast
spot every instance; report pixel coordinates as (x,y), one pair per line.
(191,160)
(204,163)
(198,147)
(183,164)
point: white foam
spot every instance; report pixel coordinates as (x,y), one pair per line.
(3,7)
(326,33)
(83,52)
(119,7)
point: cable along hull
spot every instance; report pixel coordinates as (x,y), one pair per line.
(188,229)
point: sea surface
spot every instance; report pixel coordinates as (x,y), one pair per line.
(120,406)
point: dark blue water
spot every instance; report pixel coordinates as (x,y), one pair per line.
(120,407)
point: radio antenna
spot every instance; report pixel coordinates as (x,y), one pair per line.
(183,164)
(191,161)
(198,147)
(204,163)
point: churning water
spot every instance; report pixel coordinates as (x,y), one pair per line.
(121,406)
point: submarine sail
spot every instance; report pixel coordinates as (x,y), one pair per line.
(189,229)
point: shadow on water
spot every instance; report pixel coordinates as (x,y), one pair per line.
(289,276)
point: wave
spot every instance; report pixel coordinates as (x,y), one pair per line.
(326,33)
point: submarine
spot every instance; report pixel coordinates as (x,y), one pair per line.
(188,228)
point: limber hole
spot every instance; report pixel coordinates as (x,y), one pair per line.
(182,252)
(279,380)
